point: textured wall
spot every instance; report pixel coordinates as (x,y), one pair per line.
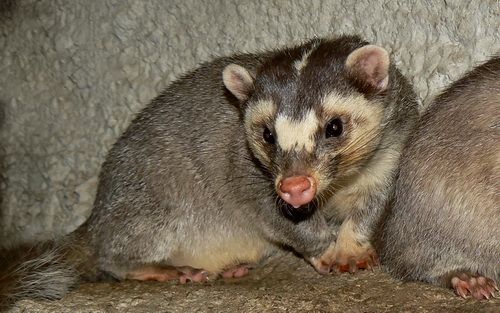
(74,72)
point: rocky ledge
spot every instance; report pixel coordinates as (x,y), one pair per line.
(285,284)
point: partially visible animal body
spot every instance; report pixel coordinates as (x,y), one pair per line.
(293,148)
(444,225)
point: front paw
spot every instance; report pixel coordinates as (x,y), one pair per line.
(355,257)
(321,264)
(346,257)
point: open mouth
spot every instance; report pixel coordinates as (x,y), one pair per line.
(299,214)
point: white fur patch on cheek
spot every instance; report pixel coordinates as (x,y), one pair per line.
(296,135)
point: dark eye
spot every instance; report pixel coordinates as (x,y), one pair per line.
(334,128)
(268,136)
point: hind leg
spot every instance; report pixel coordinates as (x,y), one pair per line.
(167,273)
(236,272)
(183,274)
(466,283)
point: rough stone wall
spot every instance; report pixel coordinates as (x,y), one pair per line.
(74,72)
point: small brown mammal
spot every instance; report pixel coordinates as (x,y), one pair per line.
(295,148)
(444,226)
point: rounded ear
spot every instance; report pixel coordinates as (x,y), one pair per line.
(238,81)
(369,65)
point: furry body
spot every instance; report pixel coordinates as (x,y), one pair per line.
(444,227)
(191,187)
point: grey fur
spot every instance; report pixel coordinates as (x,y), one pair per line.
(46,277)
(183,178)
(182,173)
(446,214)
(39,271)
(182,185)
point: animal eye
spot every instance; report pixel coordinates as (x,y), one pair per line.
(268,136)
(334,128)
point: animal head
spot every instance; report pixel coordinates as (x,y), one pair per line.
(313,113)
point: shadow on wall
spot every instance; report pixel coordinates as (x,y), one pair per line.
(7,11)
(7,7)
(2,169)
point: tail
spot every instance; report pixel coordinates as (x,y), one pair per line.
(46,270)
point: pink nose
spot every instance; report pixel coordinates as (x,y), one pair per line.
(297,190)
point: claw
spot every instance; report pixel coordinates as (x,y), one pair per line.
(343,268)
(344,257)
(477,286)
(352,266)
(236,272)
(193,276)
(462,293)
(485,294)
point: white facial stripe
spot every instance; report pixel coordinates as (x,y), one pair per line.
(296,135)
(260,111)
(356,106)
(300,64)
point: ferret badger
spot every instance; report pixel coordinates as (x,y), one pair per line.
(245,155)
